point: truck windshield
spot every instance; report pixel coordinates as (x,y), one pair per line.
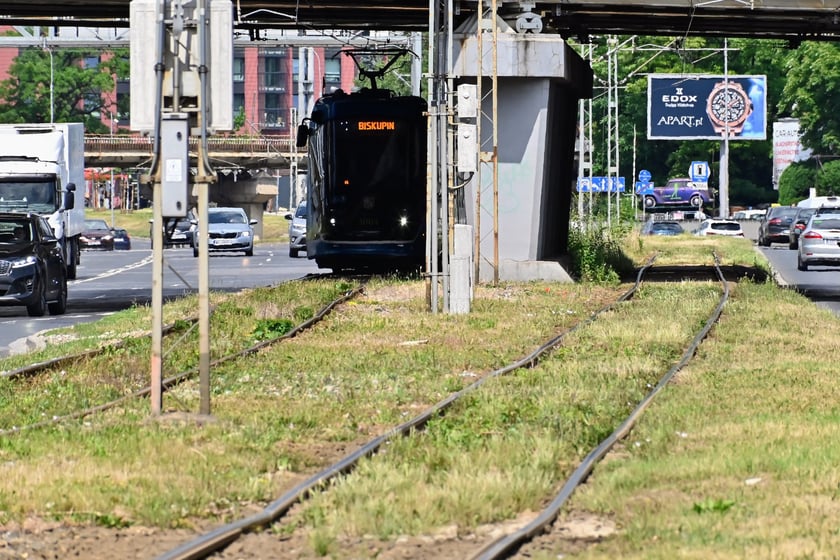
(36,195)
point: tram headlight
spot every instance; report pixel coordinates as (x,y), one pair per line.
(332,221)
(403,221)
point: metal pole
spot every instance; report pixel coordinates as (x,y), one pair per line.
(723,210)
(113,221)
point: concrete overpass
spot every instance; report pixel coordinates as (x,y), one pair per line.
(247,167)
(794,20)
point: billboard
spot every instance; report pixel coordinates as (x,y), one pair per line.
(705,107)
(787,147)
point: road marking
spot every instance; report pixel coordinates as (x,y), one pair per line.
(113,271)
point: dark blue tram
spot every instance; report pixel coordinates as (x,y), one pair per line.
(367,181)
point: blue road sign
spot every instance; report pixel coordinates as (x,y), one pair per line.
(583,184)
(699,171)
(644,176)
(644,187)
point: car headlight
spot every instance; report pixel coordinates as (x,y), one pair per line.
(107,237)
(246,234)
(29,260)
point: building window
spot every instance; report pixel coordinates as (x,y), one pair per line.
(239,68)
(274,74)
(274,111)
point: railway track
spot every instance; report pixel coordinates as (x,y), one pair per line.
(274,513)
(182,328)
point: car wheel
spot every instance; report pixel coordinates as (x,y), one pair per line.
(195,251)
(696,201)
(793,245)
(249,252)
(650,202)
(801,265)
(59,306)
(763,242)
(293,253)
(39,308)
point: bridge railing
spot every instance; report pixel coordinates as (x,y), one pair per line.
(220,144)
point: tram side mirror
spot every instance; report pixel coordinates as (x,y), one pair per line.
(70,196)
(302,135)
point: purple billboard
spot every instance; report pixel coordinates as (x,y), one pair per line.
(705,107)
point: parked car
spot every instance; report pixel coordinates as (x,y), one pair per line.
(122,241)
(775,227)
(715,226)
(32,271)
(749,214)
(800,220)
(97,235)
(297,230)
(819,243)
(663,227)
(229,230)
(177,232)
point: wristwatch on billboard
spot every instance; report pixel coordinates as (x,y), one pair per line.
(728,104)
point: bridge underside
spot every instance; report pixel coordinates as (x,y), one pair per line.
(792,20)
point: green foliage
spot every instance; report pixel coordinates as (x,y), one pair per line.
(710,505)
(596,253)
(795,182)
(828,178)
(41,83)
(267,329)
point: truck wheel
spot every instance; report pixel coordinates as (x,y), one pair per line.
(71,258)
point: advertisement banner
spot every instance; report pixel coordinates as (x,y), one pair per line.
(786,146)
(705,107)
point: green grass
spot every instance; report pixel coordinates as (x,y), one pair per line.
(736,458)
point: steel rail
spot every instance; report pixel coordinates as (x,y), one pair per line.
(502,547)
(215,540)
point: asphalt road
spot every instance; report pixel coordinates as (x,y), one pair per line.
(108,282)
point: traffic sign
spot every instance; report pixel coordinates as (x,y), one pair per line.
(583,184)
(644,187)
(699,171)
(644,176)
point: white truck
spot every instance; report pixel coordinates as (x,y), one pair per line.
(41,166)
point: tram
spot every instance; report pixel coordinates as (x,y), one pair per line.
(366,194)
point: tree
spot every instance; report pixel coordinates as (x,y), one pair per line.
(75,87)
(812,94)
(796,181)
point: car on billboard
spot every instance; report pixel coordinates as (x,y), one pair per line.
(679,192)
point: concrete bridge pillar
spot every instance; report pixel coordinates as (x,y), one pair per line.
(540,80)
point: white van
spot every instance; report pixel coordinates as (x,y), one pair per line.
(820,201)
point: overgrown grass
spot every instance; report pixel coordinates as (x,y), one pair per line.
(735,458)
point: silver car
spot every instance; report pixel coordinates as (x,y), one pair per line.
(819,242)
(297,230)
(229,230)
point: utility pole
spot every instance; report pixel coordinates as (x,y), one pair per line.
(192,59)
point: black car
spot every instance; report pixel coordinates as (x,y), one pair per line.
(122,241)
(32,270)
(775,227)
(177,232)
(800,220)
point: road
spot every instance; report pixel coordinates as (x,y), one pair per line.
(819,283)
(108,282)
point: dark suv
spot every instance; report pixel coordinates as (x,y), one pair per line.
(775,227)
(32,270)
